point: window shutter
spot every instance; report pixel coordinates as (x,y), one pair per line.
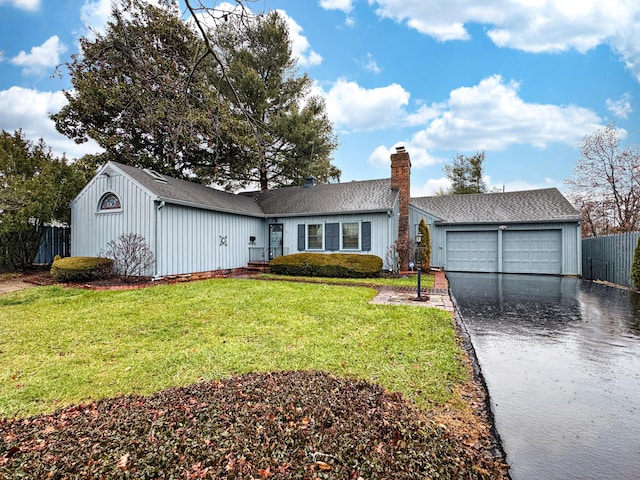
(366,236)
(332,232)
(301,237)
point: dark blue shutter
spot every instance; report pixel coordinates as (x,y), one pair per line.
(301,237)
(332,232)
(366,236)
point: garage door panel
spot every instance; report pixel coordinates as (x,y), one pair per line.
(532,251)
(472,251)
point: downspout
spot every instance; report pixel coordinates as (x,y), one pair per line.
(155,239)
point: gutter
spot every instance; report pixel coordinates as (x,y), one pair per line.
(159,207)
(266,215)
(511,222)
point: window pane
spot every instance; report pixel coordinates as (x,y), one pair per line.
(314,237)
(350,236)
(110,202)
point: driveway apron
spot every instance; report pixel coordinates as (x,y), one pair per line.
(561,359)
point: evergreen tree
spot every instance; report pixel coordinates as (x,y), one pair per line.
(221,105)
(141,91)
(35,189)
(465,174)
(635,266)
(425,246)
(294,137)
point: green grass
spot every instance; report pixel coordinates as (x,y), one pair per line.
(426,281)
(63,346)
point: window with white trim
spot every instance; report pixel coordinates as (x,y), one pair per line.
(351,236)
(109,202)
(333,237)
(314,236)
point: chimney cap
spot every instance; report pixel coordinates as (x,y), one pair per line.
(310,181)
(400,149)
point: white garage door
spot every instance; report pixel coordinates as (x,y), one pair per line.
(472,251)
(532,251)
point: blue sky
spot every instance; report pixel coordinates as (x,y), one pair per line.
(523,81)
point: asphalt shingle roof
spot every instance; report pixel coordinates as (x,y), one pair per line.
(192,194)
(544,205)
(357,197)
(349,197)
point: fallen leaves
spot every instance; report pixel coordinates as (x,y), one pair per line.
(292,425)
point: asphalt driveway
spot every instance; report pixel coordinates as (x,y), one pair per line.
(561,358)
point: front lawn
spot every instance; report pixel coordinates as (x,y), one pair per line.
(64,346)
(411,280)
(252,397)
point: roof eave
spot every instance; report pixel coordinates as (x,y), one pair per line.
(510,222)
(317,214)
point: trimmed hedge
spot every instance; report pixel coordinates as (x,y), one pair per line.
(337,265)
(81,269)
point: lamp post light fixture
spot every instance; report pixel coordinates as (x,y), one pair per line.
(419,242)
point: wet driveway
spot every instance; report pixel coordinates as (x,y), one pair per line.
(561,359)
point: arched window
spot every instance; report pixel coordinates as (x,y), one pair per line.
(109,201)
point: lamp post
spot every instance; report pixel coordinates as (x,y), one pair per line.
(419,242)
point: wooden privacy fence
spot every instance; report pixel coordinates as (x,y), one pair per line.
(55,241)
(609,258)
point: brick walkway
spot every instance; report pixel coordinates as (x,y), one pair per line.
(436,297)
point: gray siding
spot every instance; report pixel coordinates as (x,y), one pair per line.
(92,230)
(570,234)
(382,234)
(194,240)
(571,252)
(415,215)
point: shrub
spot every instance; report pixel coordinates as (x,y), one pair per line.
(339,265)
(425,246)
(131,255)
(635,266)
(81,269)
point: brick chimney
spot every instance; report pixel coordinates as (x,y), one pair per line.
(400,181)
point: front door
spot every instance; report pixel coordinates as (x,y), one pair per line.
(275,240)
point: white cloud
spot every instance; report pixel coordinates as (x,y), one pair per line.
(95,14)
(371,65)
(343,5)
(532,26)
(27,109)
(300,44)
(424,114)
(30,5)
(353,107)
(491,116)
(520,185)
(420,157)
(431,187)
(621,107)
(41,58)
